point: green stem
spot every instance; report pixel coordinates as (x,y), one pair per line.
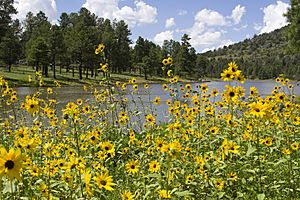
(259,163)
(78,151)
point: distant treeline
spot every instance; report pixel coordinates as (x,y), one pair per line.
(72,42)
(264,56)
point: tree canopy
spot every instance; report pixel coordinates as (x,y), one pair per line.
(71,45)
(293,31)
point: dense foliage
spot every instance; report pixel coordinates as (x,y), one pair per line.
(293,31)
(263,56)
(70,45)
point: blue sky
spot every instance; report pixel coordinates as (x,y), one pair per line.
(210,23)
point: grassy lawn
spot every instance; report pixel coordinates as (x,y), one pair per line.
(19,77)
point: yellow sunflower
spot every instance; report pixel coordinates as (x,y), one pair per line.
(32,105)
(154,166)
(132,166)
(104,181)
(156,101)
(10,163)
(165,194)
(126,195)
(219,184)
(227,75)
(258,109)
(150,119)
(99,49)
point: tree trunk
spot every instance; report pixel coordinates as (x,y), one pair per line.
(73,72)
(54,73)
(96,72)
(86,72)
(9,67)
(80,71)
(37,66)
(92,72)
(53,66)
(60,69)
(45,70)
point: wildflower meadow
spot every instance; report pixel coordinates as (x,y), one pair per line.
(229,144)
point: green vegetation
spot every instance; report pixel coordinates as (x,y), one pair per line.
(19,76)
(293,31)
(264,56)
(71,45)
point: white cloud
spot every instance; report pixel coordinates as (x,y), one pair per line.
(142,13)
(209,28)
(202,32)
(257,26)
(273,16)
(207,49)
(221,45)
(182,12)
(237,13)
(225,43)
(197,29)
(162,36)
(47,6)
(206,39)
(210,18)
(241,27)
(170,23)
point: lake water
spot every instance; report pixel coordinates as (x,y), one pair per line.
(146,96)
(66,94)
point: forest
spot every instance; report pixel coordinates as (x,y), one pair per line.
(70,46)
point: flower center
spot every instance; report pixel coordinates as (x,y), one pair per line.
(9,164)
(103,182)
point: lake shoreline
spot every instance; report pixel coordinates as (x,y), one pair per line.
(20,75)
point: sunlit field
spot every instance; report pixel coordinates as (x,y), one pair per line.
(240,147)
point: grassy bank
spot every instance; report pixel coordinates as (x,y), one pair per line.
(19,77)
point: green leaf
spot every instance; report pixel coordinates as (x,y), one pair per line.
(147,194)
(221,194)
(250,171)
(239,194)
(250,150)
(9,187)
(261,196)
(280,161)
(153,176)
(184,193)
(275,186)
(152,185)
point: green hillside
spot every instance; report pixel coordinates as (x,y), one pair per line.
(263,56)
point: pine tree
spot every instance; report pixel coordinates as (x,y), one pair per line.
(293,32)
